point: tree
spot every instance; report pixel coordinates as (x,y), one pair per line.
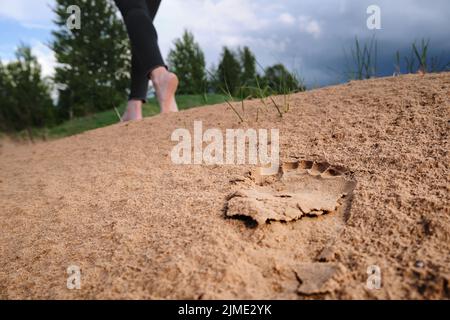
(6,100)
(248,63)
(212,80)
(280,80)
(187,60)
(94,60)
(25,100)
(229,72)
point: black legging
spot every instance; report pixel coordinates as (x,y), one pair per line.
(145,54)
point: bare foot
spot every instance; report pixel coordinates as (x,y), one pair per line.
(166,84)
(133,111)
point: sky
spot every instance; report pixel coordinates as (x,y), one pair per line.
(312,38)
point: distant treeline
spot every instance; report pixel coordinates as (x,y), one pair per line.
(236,74)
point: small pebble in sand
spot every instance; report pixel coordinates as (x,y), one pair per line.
(419,264)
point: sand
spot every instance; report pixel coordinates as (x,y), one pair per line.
(140,227)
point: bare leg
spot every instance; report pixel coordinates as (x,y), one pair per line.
(165,84)
(133,111)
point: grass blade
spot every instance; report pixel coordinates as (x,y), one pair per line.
(276,106)
(235,111)
(118,114)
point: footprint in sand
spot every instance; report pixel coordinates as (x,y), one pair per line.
(300,188)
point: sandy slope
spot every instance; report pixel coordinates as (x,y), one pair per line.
(112,202)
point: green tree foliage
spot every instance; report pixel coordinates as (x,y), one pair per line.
(237,75)
(187,60)
(280,80)
(229,72)
(212,80)
(25,100)
(5,98)
(94,61)
(248,73)
(248,62)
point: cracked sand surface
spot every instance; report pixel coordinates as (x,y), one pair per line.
(302,188)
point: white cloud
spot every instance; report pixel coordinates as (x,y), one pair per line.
(45,56)
(310,26)
(214,23)
(287,19)
(256,43)
(207,16)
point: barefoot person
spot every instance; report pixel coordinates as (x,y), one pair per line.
(146,61)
